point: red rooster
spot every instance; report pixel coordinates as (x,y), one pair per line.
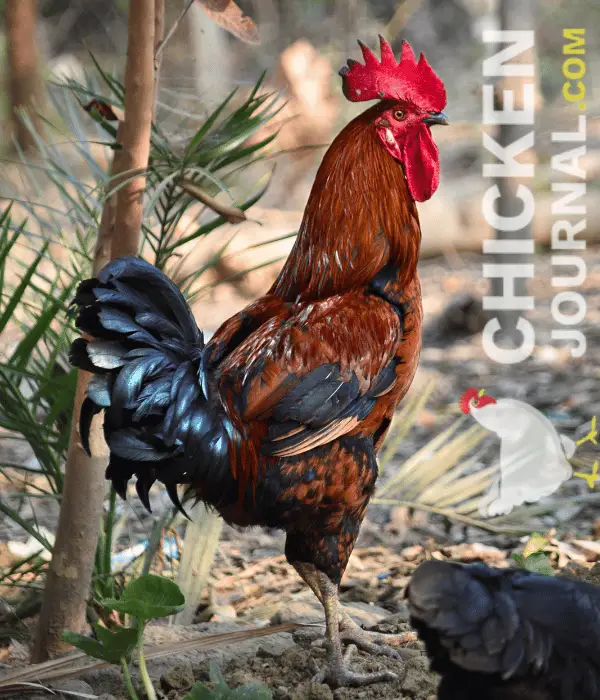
(278,419)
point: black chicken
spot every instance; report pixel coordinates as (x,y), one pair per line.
(498,634)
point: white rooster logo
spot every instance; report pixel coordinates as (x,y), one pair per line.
(534,458)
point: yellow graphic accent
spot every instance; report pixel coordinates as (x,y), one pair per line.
(591,436)
(592,478)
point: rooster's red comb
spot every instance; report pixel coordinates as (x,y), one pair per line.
(465,399)
(408,79)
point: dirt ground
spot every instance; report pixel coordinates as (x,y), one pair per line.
(286,662)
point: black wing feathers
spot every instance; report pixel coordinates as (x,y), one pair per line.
(321,397)
(508,630)
(146,359)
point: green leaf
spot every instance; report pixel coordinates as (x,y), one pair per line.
(205,128)
(538,563)
(147,597)
(17,296)
(121,642)
(110,646)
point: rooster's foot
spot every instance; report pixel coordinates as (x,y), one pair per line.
(373,642)
(337,674)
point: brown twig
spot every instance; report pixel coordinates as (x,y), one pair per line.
(161,46)
(159,30)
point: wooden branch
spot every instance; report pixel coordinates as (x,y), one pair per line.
(161,45)
(136,129)
(159,31)
(69,576)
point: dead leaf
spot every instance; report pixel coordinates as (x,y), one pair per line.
(591,548)
(475,551)
(232,214)
(105,110)
(228,15)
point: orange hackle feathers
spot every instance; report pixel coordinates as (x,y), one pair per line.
(359,216)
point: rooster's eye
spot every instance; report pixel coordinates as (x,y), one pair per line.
(398,115)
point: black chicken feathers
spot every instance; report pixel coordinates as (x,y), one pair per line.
(496,634)
(161,421)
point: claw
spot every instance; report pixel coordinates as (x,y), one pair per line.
(338,675)
(374,643)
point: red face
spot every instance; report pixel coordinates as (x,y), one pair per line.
(404,130)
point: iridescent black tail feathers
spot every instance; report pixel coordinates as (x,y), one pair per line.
(160,422)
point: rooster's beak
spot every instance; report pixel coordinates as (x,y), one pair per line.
(436,118)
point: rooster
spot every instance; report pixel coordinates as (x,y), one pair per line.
(507,634)
(278,419)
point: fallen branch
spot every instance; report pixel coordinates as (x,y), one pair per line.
(69,666)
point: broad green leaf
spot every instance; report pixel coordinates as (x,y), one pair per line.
(120,642)
(110,646)
(537,562)
(147,597)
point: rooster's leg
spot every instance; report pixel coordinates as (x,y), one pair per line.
(350,633)
(337,673)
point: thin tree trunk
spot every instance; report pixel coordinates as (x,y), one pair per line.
(69,575)
(24,82)
(136,129)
